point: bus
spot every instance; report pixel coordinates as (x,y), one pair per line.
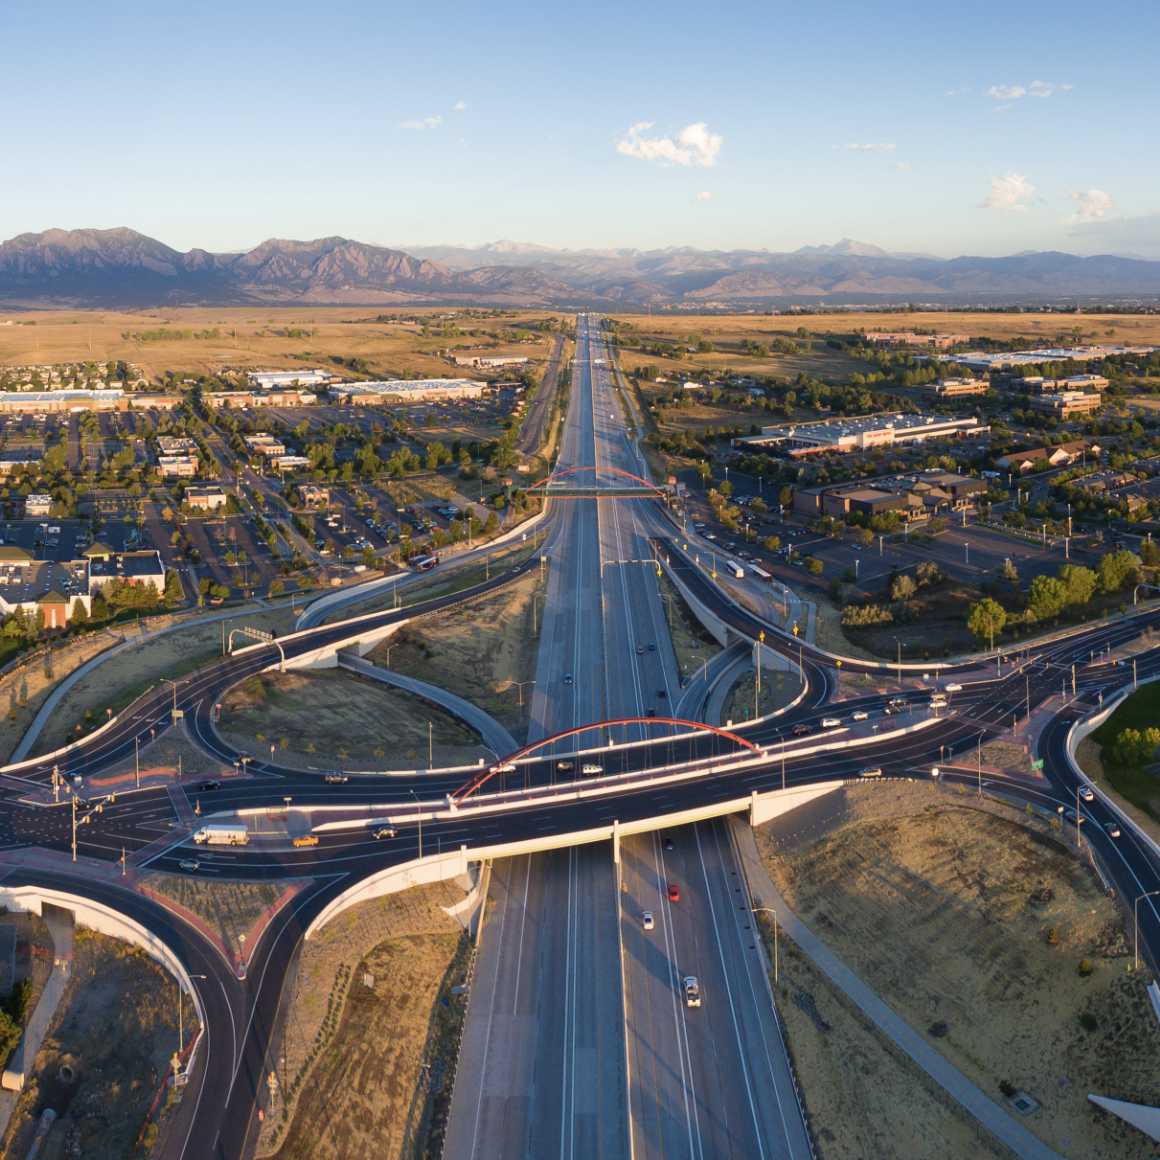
(736,569)
(760,572)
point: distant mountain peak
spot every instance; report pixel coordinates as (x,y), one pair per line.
(846,248)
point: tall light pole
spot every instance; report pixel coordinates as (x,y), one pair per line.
(419,818)
(1136,923)
(770,910)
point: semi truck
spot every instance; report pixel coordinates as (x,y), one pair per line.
(222,834)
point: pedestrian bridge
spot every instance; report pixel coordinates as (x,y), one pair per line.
(595,483)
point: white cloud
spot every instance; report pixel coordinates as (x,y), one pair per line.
(704,195)
(693,145)
(1091,205)
(422,123)
(459,107)
(869,147)
(1034,89)
(1012,191)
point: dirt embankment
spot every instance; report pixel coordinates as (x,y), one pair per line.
(369,1007)
(988,935)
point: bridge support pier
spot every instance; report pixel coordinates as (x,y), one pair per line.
(616,842)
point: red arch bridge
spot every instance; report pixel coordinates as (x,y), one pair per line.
(595,483)
(507,764)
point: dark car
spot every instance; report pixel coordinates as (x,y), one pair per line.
(650,712)
(802,730)
(661,693)
(208,785)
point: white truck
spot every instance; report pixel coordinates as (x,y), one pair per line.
(222,834)
(737,570)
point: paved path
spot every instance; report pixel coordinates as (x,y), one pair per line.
(992,1116)
(494,735)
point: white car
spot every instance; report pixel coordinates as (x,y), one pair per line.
(859,715)
(831,722)
(646,920)
(871,771)
(692,991)
(953,688)
(591,768)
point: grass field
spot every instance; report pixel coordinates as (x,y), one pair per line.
(478,650)
(248,337)
(331,719)
(1140,786)
(777,690)
(348,1080)
(993,939)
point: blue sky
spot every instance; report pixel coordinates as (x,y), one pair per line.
(984,128)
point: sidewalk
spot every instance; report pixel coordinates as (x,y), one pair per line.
(991,1115)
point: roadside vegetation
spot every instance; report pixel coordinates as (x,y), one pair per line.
(1129,750)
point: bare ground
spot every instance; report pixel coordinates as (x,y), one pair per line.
(330,718)
(478,650)
(116,1028)
(348,1079)
(777,690)
(972,923)
(692,643)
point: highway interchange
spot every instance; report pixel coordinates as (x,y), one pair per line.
(577,1040)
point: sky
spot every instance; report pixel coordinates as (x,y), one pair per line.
(982,128)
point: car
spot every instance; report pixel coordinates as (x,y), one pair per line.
(1113,829)
(871,771)
(859,715)
(591,769)
(567,678)
(668,843)
(652,646)
(802,730)
(189,865)
(565,766)
(1087,793)
(692,991)
(640,650)
(953,687)
(661,694)
(646,920)
(384,832)
(650,712)
(674,892)
(831,722)
(335,778)
(205,786)
(305,840)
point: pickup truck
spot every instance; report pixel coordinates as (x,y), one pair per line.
(306,840)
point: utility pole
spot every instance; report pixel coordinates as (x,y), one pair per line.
(979,760)
(430,745)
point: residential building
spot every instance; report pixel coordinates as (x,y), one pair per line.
(206,499)
(860,433)
(406,391)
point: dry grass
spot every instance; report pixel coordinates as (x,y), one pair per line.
(1128,328)
(478,650)
(247,339)
(863,1097)
(120,679)
(350,1056)
(777,690)
(229,909)
(972,925)
(692,643)
(329,718)
(116,1027)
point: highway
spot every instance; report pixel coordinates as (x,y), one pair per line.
(570,1044)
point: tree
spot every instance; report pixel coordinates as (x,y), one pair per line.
(928,572)
(1009,572)
(758,506)
(903,588)
(79,616)
(1150,553)
(813,565)
(1078,582)
(1047,597)
(1135,747)
(986,619)
(771,543)
(1117,569)
(174,592)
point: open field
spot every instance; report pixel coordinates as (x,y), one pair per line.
(267,337)
(333,719)
(103,1059)
(987,934)
(120,679)
(1045,328)
(863,1097)
(478,650)
(351,1055)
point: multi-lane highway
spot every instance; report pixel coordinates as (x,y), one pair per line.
(578,1038)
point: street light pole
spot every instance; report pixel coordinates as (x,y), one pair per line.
(419,818)
(770,910)
(1136,924)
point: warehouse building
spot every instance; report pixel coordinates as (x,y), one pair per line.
(406,391)
(860,433)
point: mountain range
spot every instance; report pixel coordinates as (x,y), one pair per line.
(120,267)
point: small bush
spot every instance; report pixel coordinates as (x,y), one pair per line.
(1085,968)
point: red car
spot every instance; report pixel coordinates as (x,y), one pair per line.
(674,892)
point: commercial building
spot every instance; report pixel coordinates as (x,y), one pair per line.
(985,361)
(268,380)
(265,444)
(69,399)
(1066,404)
(912,496)
(175,445)
(910,338)
(37,505)
(241,400)
(206,499)
(490,362)
(131,567)
(1062,455)
(177,466)
(957,388)
(406,391)
(861,433)
(289,462)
